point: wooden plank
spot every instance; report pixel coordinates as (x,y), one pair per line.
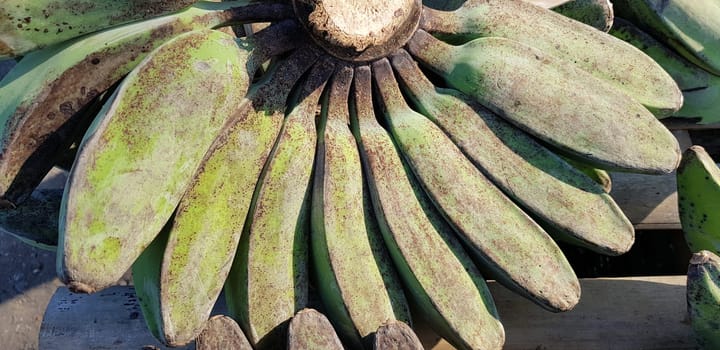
(614,313)
(687,124)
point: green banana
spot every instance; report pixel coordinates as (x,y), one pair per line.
(579,115)
(396,335)
(600,176)
(703,298)
(698,188)
(43,96)
(700,89)
(613,61)
(309,329)
(269,283)
(500,235)
(32,25)
(209,219)
(690,27)
(356,279)
(222,332)
(595,13)
(536,178)
(439,275)
(140,153)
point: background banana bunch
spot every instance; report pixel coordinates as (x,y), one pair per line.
(311,160)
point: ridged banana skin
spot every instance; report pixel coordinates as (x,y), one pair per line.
(356,279)
(438,274)
(270,283)
(701,90)
(703,298)
(536,178)
(691,27)
(613,61)
(139,155)
(44,95)
(579,116)
(499,234)
(698,188)
(30,25)
(211,214)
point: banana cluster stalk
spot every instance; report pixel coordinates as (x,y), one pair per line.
(360,158)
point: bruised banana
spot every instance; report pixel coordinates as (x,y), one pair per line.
(609,59)
(698,188)
(540,181)
(207,225)
(499,234)
(32,25)
(691,27)
(269,281)
(140,153)
(356,280)
(579,116)
(703,298)
(43,96)
(439,275)
(700,89)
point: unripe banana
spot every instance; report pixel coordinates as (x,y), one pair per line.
(698,189)
(703,298)
(540,181)
(595,13)
(499,234)
(579,115)
(310,329)
(691,27)
(356,279)
(438,274)
(44,96)
(396,335)
(612,61)
(138,157)
(269,281)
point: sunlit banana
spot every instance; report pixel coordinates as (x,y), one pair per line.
(500,235)
(703,298)
(447,288)
(698,188)
(613,61)
(356,280)
(139,155)
(688,26)
(700,89)
(207,226)
(578,115)
(537,179)
(269,283)
(310,329)
(31,25)
(45,94)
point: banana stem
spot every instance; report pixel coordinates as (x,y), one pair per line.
(432,52)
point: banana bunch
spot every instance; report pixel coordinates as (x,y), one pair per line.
(371,155)
(682,36)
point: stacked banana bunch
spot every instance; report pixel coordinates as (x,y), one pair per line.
(698,181)
(375,162)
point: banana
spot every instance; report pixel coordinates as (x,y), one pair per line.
(595,13)
(579,115)
(140,153)
(309,329)
(439,275)
(703,298)
(611,60)
(356,280)
(269,283)
(688,26)
(28,26)
(204,233)
(698,188)
(222,332)
(43,96)
(541,182)
(700,89)
(600,176)
(396,335)
(500,235)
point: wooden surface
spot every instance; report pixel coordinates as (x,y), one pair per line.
(614,313)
